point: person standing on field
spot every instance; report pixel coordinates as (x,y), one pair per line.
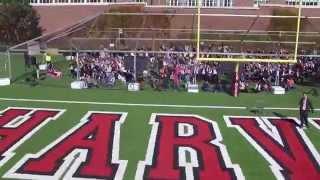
(305,107)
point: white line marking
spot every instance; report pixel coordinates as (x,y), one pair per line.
(144,105)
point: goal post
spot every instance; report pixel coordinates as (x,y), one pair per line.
(246,38)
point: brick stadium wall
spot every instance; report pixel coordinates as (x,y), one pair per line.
(236,3)
(55,17)
(246,3)
(249,3)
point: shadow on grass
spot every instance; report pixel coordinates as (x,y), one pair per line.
(279,115)
(285,118)
(314,92)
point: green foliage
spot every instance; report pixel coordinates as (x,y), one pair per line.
(285,27)
(105,23)
(14,2)
(284,24)
(18,22)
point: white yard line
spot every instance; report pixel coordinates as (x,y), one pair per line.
(143,105)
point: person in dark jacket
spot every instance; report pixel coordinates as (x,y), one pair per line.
(305,107)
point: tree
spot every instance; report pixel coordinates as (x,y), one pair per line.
(19,22)
(285,24)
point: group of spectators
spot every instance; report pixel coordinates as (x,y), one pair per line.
(178,70)
(266,75)
(100,69)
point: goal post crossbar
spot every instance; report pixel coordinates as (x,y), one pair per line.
(247,60)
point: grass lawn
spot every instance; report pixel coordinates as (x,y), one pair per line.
(135,132)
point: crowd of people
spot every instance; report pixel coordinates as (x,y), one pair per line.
(178,70)
(183,69)
(266,75)
(100,69)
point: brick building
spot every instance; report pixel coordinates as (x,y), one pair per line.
(190,3)
(61,13)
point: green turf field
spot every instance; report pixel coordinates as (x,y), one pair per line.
(135,132)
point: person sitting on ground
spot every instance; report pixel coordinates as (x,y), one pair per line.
(91,82)
(243,86)
(290,83)
(52,72)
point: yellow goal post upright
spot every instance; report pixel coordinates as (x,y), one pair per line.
(244,59)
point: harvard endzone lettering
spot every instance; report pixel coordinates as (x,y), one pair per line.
(18,124)
(315,122)
(90,150)
(284,145)
(195,133)
(162,156)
